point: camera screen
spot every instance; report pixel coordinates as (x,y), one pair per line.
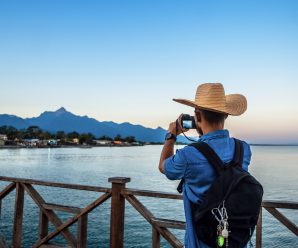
(187,124)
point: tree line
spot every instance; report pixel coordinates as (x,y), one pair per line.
(34,132)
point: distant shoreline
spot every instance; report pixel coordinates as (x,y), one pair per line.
(90,146)
(63,146)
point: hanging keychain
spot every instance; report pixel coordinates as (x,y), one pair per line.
(220,214)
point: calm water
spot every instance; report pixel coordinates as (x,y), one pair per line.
(275,167)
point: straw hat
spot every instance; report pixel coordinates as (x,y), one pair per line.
(211,96)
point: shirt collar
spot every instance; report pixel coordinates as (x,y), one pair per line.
(215,135)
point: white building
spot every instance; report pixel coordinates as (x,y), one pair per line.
(102,142)
(3,137)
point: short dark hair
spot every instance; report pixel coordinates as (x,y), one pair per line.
(213,117)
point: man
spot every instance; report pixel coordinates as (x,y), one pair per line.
(211,108)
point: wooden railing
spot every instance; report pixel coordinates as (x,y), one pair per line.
(119,195)
(271,207)
(47,211)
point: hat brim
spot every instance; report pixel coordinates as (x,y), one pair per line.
(236,105)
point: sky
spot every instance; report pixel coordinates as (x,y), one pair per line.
(125,60)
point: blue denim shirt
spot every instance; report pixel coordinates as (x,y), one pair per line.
(190,164)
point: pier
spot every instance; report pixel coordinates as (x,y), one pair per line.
(120,195)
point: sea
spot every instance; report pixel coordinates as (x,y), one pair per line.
(276,167)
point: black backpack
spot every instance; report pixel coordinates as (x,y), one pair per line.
(235,189)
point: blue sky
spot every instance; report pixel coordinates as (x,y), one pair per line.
(126,60)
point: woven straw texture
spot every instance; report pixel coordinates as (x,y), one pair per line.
(211,96)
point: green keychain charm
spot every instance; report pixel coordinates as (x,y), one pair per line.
(220,241)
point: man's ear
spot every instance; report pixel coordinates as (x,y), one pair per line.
(199,117)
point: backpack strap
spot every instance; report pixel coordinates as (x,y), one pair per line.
(180,186)
(238,154)
(215,160)
(210,155)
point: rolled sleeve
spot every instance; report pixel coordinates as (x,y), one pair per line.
(175,166)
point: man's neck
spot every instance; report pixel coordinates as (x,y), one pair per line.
(211,128)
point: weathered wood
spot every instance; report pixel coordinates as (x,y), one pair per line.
(82,231)
(69,222)
(18,216)
(155,194)
(170,237)
(150,218)
(54,184)
(259,230)
(117,212)
(43,226)
(159,226)
(62,208)
(176,224)
(10,187)
(120,180)
(279,204)
(284,220)
(155,238)
(53,218)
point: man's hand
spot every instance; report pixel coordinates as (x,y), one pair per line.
(175,127)
(168,148)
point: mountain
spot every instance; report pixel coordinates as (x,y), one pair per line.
(12,120)
(63,120)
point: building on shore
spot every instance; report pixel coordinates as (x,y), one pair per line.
(3,139)
(102,142)
(31,142)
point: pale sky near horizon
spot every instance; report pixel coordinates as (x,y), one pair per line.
(126,60)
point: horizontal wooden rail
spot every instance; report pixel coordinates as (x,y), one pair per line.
(62,208)
(148,193)
(57,185)
(175,224)
(280,204)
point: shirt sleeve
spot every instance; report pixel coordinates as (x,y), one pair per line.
(175,166)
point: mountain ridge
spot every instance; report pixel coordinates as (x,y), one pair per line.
(64,120)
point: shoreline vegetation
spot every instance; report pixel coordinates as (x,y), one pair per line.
(35,137)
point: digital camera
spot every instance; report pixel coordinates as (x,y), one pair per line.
(188,122)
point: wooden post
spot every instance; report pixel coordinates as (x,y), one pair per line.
(18,216)
(155,238)
(82,231)
(259,231)
(43,225)
(117,212)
